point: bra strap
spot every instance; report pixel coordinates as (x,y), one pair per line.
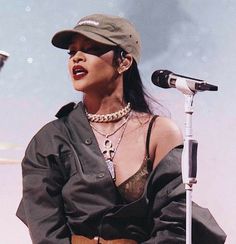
(149,161)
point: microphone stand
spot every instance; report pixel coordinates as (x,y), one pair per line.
(189,87)
(189,162)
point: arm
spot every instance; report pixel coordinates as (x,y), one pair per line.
(41,208)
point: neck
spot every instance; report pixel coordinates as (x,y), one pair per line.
(105,105)
(105,100)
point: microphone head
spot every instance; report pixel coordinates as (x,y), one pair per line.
(4,55)
(160,78)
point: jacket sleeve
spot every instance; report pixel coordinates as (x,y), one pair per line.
(168,208)
(41,207)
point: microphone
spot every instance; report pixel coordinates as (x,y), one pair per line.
(3,57)
(187,85)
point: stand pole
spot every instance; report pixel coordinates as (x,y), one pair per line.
(188,214)
(189,164)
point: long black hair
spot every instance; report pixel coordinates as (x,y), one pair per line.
(134,91)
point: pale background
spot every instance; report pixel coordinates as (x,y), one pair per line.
(195,38)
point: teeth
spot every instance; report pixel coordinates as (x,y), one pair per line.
(76,72)
(79,72)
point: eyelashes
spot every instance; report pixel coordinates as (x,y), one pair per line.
(71,53)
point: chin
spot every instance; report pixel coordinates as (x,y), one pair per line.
(80,89)
(78,85)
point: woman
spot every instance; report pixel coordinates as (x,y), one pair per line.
(107,170)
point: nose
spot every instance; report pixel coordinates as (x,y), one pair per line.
(79,56)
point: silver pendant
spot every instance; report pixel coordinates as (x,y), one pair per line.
(108,153)
(110,166)
(108,150)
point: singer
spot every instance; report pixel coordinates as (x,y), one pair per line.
(107,170)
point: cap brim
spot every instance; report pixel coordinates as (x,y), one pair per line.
(63,39)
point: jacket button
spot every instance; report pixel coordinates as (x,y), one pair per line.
(88,141)
(100,175)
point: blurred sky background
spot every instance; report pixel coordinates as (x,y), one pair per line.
(194,38)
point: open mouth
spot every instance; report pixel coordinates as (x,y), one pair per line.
(79,72)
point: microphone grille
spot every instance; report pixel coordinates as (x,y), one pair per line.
(160,78)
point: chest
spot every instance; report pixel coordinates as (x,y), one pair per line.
(127,151)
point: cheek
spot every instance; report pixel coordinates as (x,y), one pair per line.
(105,65)
(105,72)
(69,65)
(108,58)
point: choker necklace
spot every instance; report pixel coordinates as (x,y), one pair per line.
(109,149)
(103,118)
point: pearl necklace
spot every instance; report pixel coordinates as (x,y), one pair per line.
(104,118)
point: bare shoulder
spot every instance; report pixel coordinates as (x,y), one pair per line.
(166,136)
(167,130)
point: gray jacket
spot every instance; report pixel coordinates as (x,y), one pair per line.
(67,189)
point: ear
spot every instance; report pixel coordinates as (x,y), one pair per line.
(125,63)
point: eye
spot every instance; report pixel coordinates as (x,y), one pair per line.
(71,53)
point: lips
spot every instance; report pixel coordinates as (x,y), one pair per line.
(79,72)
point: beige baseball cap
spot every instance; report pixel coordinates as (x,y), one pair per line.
(105,29)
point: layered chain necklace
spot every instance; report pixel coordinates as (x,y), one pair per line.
(101,118)
(108,148)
